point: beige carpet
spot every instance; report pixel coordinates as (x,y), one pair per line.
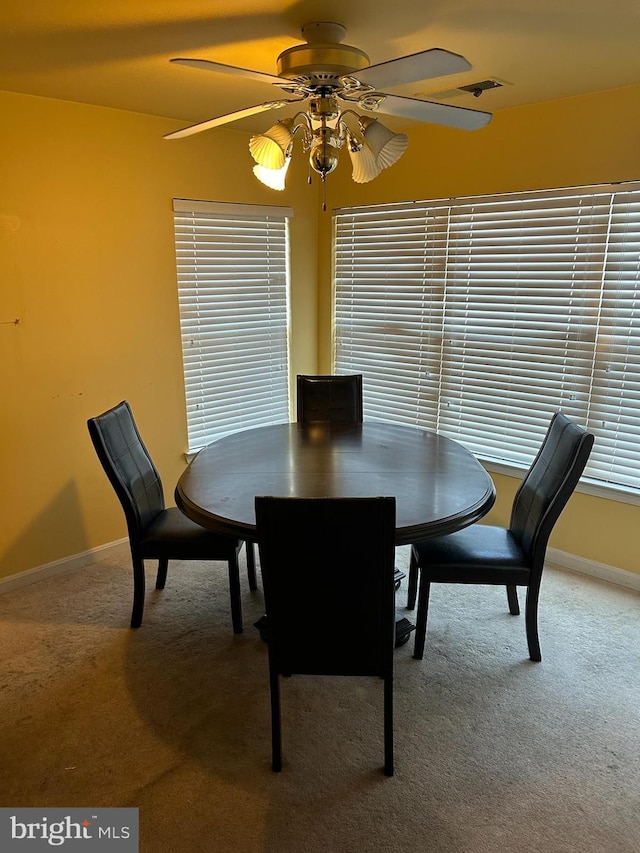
(493,753)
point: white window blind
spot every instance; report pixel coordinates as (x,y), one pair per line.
(232,262)
(480,317)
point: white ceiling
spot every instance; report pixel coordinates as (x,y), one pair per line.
(115,53)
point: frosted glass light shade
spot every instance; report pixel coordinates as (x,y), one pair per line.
(364,164)
(272,178)
(269,149)
(387,146)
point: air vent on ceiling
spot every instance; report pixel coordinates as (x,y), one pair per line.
(476,89)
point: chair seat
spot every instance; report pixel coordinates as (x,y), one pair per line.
(174,536)
(481,553)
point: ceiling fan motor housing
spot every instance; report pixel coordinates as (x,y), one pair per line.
(323,60)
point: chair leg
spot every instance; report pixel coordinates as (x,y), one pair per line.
(421,619)
(388,726)
(251,565)
(276,729)
(138,592)
(161,577)
(412,583)
(512,597)
(531,623)
(234,592)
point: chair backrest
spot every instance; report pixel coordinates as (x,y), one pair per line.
(128,466)
(329,398)
(548,485)
(327,568)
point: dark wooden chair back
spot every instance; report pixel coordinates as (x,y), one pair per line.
(128,466)
(548,485)
(329,398)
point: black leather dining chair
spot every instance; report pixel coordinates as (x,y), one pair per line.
(512,556)
(155,532)
(304,544)
(329,398)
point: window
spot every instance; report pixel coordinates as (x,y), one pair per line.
(480,317)
(232,264)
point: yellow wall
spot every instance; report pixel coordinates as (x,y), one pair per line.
(88,266)
(591,139)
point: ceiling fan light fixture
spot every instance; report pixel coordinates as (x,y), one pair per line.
(363,160)
(272,178)
(269,149)
(387,146)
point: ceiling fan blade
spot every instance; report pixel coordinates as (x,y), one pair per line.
(409,69)
(229,117)
(428,111)
(208,65)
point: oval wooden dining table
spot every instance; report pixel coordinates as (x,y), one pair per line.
(439,486)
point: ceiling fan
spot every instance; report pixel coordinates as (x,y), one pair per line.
(330,78)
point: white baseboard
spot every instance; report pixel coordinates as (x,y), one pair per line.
(556,558)
(562,560)
(58,567)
